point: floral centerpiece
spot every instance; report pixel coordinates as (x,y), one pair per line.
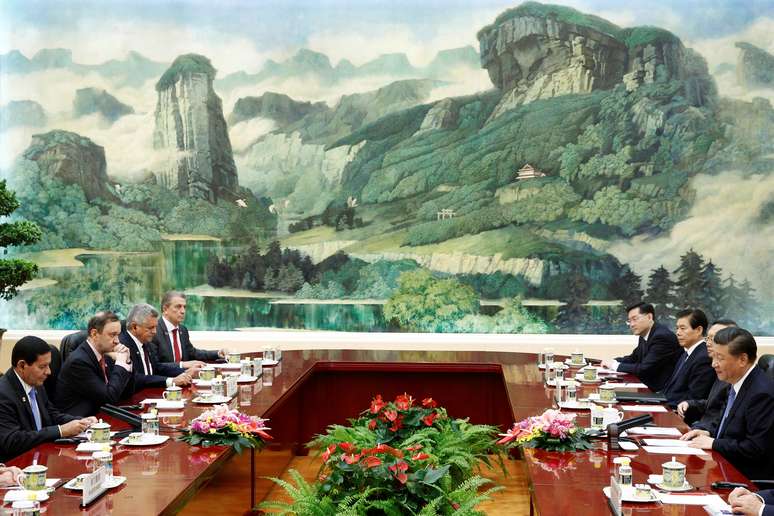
(553,430)
(222,426)
(404,456)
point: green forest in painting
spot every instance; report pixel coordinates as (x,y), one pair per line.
(535,181)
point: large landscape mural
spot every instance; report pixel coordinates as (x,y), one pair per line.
(451,166)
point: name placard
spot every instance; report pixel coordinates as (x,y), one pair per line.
(615,496)
(94,485)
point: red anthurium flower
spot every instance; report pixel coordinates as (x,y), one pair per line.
(391,415)
(402,477)
(397,424)
(347,447)
(377,404)
(429,403)
(404,401)
(455,505)
(428,419)
(372,424)
(420,456)
(372,462)
(399,466)
(327,453)
(351,458)
(414,447)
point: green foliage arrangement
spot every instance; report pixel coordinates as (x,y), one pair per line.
(14,272)
(428,467)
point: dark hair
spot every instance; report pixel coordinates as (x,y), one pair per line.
(695,317)
(29,348)
(99,321)
(167,299)
(738,341)
(724,322)
(645,308)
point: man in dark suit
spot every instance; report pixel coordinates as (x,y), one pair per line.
(745,433)
(701,413)
(96,372)
(27,417)
(138,337)
(693,376)
(654,358)
(172,341)
(748,503)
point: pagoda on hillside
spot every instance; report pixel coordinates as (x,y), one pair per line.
(528,172)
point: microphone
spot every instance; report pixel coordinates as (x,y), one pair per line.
(614,429)
(123,415)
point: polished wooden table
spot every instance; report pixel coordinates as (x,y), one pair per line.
(311,389)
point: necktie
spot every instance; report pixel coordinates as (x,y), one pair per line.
(103,366)
(35,409)
(729,404)
(676,374)
(147,361)
(176,346)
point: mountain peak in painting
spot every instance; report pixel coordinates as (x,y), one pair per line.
(191,130)
(755,67)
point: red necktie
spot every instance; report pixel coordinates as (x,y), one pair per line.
(176,346)
(104,368)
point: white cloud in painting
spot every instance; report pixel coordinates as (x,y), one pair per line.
(723,226)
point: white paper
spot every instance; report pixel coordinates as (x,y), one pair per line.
(665,442)
(654,430)
(674,450)
(692,499)
(643,408)
(623,385)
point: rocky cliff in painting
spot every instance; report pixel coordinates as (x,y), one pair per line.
(537,51)
(754,67)
(72,159)
(92,100)
(191,130)
(22,112)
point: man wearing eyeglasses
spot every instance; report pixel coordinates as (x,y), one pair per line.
(653,360)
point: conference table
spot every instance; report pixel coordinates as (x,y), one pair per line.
(311,389)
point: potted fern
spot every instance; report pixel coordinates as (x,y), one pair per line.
(398,457)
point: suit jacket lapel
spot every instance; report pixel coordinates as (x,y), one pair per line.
(739,397)
(23,398)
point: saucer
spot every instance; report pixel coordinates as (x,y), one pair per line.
(146,440)
(76,484)
(570,363)
(581,379)
(212,400)
(686,487)
(606,402)
(228,365)
(88,447)
(569,405)
(246,378)
(543,366)
(202,383)
(14,495)
(628,494)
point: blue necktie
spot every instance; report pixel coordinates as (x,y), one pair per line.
(729,404)
(680,364)
(35,409)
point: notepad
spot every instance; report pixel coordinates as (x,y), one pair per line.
(674,450)
(654,430)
